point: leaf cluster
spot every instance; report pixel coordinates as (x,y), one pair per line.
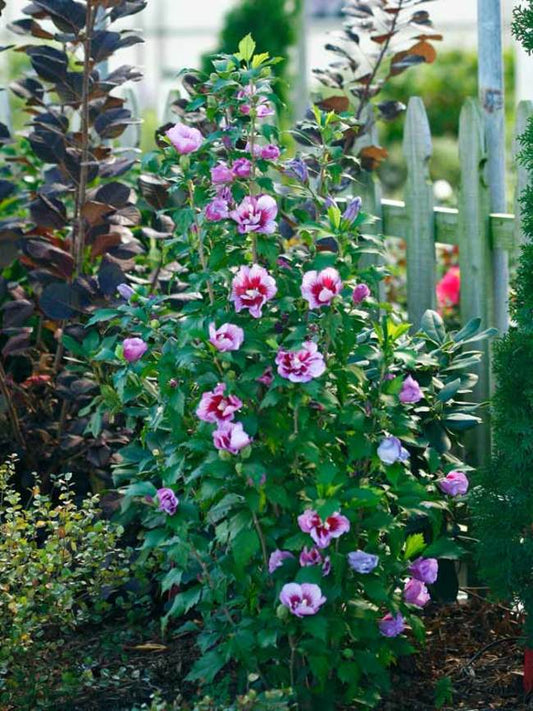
(69,216)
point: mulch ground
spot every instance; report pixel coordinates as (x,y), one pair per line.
(477,646)
(474,643)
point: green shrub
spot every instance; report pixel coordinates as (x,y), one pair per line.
(59,566)
(244,514)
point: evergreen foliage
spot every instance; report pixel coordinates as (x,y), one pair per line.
(273,28)
(503,501)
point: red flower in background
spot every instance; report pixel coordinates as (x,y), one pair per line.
(448,288)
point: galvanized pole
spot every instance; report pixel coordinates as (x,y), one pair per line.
(491,94)
(300,91)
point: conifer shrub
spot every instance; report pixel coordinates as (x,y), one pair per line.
(503,498)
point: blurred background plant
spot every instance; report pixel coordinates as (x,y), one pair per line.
(66,233)
(274,29)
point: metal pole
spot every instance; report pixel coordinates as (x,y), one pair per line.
(301,97)
(490,80)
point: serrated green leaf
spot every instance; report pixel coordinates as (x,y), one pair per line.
(207,667)
(415,544)
(246,48)
(245,546)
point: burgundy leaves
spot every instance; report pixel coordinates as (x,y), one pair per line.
(71,233)
(378,41)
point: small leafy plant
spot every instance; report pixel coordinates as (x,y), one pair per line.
(60,566)
(294,451)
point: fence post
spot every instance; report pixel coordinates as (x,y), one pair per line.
(420,233)
(475,255)
(369,188)
(523,113)
(5,109)
(168,115)
(490,75)
(131,138)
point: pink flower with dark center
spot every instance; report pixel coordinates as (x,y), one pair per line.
(314,557)
(270,152)
(323,532)
(302,600)
(167,500)
(231,437)
(360,293)
(216,407)
(242,168)
(185,139)
(449,287)
(392,625)
(454,484)
(227,337)
(416,593)
(266,378)
(310,557)
(276,559)
(320,288)
(251,288)
(301,366)
(425,569)
(216,210)
(221,174)
(256,214)
(133,349)
(411,391)
(224,193)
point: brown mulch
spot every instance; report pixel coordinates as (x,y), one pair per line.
(475,644)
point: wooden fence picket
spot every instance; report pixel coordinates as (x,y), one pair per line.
(5,109)
(523,113)
(369,189)
(475,257)
(131,138)
(419,211)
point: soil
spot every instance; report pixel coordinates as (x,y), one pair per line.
(475,644)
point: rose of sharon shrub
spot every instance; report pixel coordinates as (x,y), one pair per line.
(282,404)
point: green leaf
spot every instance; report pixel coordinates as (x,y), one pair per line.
(468,330)
(246,48)
(72,345)
(316,626)
(460,421)
(207,667)
(141,488)
(245,546)
(415,544)
(433,326)
(259,59)
(443,692)
(173,577)
(444,548)
(185,600)
(449,390)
